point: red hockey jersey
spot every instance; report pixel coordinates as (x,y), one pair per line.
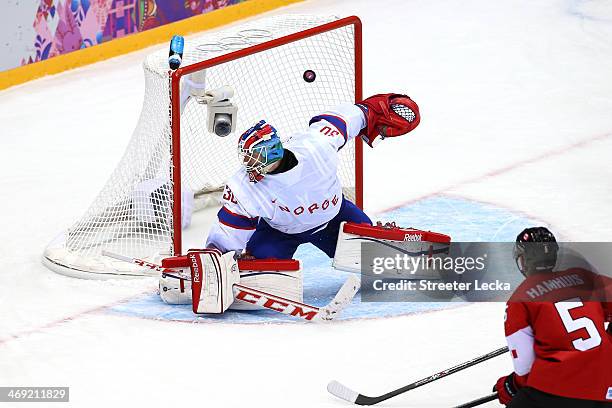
(555,330)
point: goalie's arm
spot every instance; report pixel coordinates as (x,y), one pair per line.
(382,115)
(340,124)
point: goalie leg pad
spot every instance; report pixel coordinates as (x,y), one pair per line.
(174,291)
(282,277)
(385,241)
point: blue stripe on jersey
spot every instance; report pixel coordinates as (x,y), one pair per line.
(336,121)
(237,221)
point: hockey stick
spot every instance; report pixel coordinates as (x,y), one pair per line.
(343,392)
(297,309)
(141,262)
(478,401)
(268,300)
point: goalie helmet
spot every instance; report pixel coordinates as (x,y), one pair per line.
(258,148)
(535,251)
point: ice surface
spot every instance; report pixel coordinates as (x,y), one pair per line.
(515,100)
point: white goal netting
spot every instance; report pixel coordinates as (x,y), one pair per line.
(132,215)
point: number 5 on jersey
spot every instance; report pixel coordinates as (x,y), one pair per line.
(572,325)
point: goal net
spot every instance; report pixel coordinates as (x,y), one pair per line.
(173,164)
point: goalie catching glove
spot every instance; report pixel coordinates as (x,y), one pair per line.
(388,115)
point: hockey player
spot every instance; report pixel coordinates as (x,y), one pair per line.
(555,329)
(285,195)
(289,193)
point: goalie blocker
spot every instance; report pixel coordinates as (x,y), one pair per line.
(213,276)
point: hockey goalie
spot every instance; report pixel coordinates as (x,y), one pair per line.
(285,195)
(290,194)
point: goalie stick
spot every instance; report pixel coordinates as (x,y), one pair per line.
(141,262)
(343,392)
(268,300)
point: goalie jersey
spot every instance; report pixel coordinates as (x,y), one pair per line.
(303,198)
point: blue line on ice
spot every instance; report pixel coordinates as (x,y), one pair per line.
(462,219)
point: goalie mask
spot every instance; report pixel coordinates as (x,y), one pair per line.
(258,148)
(535,251)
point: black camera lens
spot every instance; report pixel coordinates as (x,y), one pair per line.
(223,124)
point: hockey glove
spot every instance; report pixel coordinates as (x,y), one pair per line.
(506,389)
(388,115)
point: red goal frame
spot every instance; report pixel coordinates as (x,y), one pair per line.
(175,118)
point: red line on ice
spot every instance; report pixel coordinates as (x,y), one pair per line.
(67,319)
(505,169)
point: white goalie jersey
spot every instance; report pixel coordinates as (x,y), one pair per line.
(302,198)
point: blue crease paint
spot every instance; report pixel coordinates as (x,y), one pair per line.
(462,219)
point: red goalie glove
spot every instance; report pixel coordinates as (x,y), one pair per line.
(388,115)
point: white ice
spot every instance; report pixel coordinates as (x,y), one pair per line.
(516,99)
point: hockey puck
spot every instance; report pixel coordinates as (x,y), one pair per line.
(309,76)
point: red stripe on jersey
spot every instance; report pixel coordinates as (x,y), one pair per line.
(514,353)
